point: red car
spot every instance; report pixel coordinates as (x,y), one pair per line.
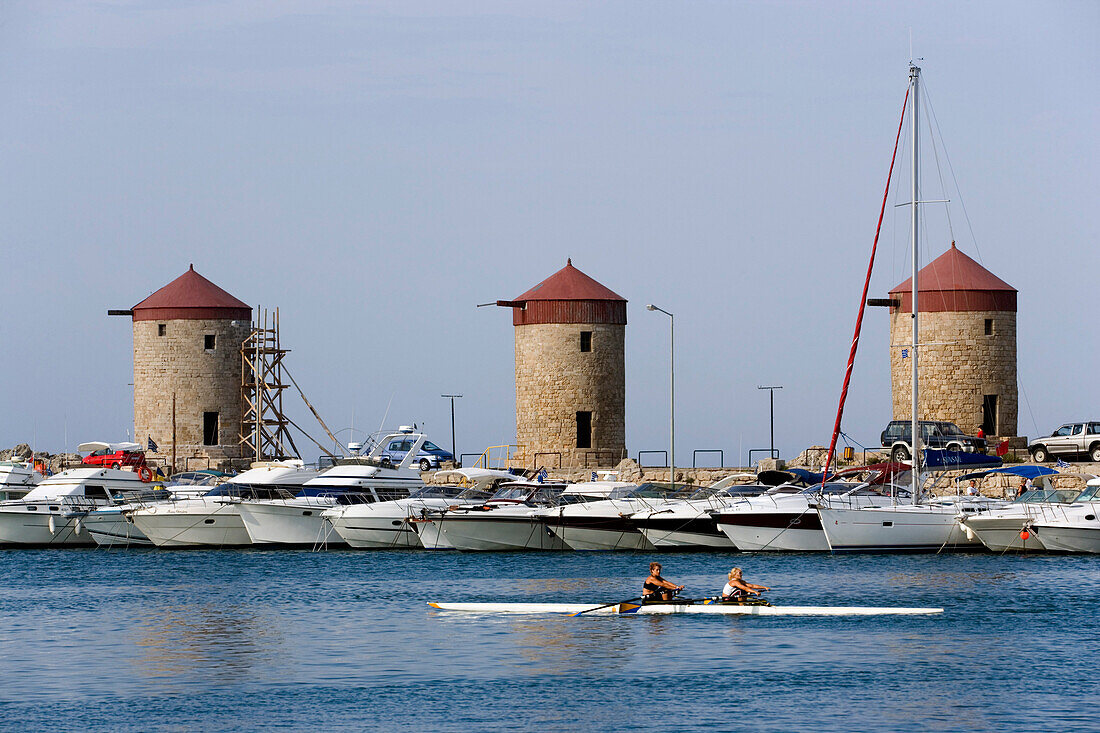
(112,455)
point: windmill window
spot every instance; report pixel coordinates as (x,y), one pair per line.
(988,326)
(586,340)
(162,329)
(210,428)
(584,429)
(209,341)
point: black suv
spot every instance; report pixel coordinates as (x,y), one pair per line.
(933,434)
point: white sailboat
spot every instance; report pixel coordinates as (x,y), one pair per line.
(928,526)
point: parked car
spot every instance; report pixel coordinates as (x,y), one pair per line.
(112,455)
(1072,439)
(897,437)
(429,456)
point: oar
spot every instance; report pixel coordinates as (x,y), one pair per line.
(606,605)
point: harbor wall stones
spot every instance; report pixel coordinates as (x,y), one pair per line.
(959,365)
(203,380)
(555,380)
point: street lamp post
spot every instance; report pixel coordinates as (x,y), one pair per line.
(452,397)
(671,392)
(771,412)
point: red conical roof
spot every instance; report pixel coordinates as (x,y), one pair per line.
(569,283)
(191,296)
(568,296)
(955,282)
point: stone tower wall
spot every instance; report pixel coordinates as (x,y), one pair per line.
(555,380)
(203,381)
(958,368)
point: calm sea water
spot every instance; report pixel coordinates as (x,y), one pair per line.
(156,640)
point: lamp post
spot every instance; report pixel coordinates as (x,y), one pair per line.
(671,392)
(771,411)
(452,397)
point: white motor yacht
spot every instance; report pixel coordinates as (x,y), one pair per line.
(361,480)
(17,478)
(1002,530)
(607,523)
(513,519)
(214,519)
(397,523)
(691,523)
(111,526)
(52,513)
(1078,529)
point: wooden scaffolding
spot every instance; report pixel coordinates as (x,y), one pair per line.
(265,433)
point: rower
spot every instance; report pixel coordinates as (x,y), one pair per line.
(736,588)
(657,588)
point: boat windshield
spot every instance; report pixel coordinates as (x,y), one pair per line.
(354,497)
(1091,493)
(256,492)
(512,493)
(1045,496)
(475,494)
(437,492)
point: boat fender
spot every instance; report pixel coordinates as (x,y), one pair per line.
(145,474)
(970,536)
(77,526)
(53,527)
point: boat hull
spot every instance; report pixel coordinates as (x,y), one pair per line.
(429,531)
(598,533)
(283,523)
(895,530)
(33,529)
(501,533)
(1065,538)
(221,527)
(774,531)
(376,531)
(1002,534)
(110,528)
(714,609)
(683,533)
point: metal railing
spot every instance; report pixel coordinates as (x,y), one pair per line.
(535,463)
(721,456)
(652,452)
(773,452)
(506,455)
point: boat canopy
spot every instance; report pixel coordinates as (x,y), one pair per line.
(953,460)
(1022,471)
(113,447)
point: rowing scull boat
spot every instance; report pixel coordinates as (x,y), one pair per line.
(721,609)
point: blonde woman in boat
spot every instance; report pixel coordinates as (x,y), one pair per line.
(736,587)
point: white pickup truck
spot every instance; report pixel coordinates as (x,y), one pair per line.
(1072,439)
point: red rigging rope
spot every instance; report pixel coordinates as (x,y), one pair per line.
(863,300)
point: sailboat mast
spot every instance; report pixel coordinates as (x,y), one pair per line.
(914,83)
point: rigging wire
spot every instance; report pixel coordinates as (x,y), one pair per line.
(954,178)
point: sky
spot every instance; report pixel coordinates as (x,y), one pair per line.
(376,170)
